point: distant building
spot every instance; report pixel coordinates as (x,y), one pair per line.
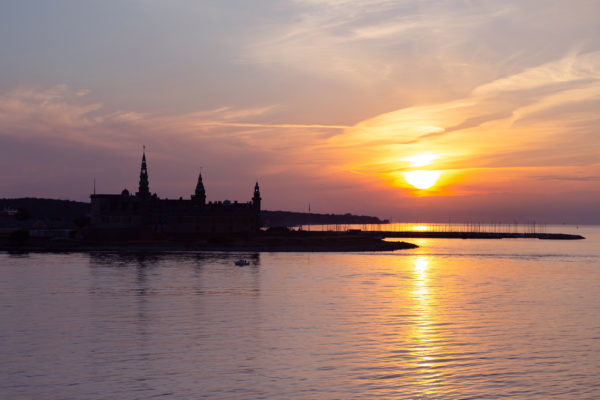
(144,214)
(9,211)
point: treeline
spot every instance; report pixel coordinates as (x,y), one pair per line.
(288,218)
(34,208)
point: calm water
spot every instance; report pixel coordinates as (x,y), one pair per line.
(464,319)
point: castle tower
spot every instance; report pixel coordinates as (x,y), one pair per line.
(144,188)
(200,194)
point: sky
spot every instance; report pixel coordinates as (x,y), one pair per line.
(408,110)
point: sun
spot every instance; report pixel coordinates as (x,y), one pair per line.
(421,179)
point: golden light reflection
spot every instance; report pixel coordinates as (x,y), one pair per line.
(424,332)
(421,264)
(421,179)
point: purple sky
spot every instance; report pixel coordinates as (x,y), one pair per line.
(332,102)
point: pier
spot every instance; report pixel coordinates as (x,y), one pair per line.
(474,235)
(469,230)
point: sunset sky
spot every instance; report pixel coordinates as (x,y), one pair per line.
(327,102)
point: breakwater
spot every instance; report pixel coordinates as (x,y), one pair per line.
(474,235)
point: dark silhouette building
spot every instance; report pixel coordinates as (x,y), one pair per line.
(146,215)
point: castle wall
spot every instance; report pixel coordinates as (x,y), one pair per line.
(145,215)
(172,217)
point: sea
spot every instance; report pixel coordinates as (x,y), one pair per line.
(452,319)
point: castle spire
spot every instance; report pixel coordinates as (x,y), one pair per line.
(256,198)
(200,193)
(256,205)
(144,189)
(256,190)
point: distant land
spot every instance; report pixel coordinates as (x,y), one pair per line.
(289,218)
(57,212)
(64,213)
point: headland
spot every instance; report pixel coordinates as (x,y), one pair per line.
(275,240)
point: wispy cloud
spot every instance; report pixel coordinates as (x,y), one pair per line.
(62,114)
(40,109)
(574,68)
(568,178)
(271,126)
(357,41)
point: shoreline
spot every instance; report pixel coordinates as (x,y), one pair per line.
(162,247)
(289,241)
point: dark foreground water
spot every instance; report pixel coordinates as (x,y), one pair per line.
(464,319)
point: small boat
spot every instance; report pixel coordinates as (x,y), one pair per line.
(241,263)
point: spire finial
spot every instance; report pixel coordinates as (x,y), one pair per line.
(256,191)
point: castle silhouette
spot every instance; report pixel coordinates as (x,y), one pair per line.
(146,215)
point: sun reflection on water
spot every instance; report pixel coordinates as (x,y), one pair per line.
(424,333)
(421,289)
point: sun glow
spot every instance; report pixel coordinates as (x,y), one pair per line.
(421,160)
(421,179)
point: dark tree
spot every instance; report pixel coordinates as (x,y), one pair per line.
(23,214)
(82,221)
